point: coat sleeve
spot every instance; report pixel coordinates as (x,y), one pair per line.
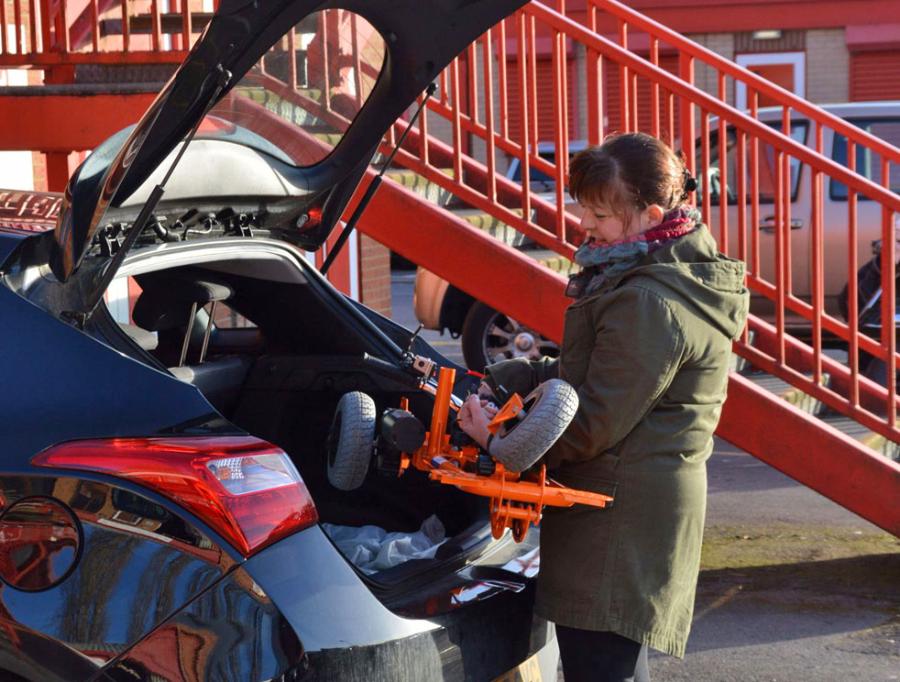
(520,375)
(638,348)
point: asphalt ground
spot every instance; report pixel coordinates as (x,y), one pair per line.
(792,586)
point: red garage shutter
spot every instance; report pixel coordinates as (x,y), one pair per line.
(613,98)
(875,75)
(545,99)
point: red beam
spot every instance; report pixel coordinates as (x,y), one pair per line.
(473,261)
(64,123)
(812,452)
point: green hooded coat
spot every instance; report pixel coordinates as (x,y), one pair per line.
(648,354)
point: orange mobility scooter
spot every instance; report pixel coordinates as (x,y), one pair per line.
(510,475)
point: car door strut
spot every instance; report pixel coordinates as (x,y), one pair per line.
(373,186)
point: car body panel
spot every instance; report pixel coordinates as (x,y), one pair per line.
(138,562)
(217,637)
(72,388)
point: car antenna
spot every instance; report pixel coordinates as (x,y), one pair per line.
(224,77)
(373,186)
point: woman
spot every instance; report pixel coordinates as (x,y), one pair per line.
(646,344)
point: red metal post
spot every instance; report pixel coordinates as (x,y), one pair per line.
(624,89)
(704,166)
(754,189)
(688,131)
(654,89)
(723,172)
(457,131)
(524,158)
(852,266)
(156,39)
(502,80)
(490,150)
(889,236)
(818,259)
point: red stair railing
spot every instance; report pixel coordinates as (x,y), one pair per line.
(695,121)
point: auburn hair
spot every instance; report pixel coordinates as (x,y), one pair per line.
(629,172)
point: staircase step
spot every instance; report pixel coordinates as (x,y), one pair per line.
(422,186)
(495,227)
(864,435)
(552,260)
(881,445)
(280,106)
(331,139)
(797,397)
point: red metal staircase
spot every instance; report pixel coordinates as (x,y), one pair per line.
(612,69)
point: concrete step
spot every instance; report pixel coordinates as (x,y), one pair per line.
(280,106)
(791,394)
(815,407)
(331,139)
(551,259)
(422,186)
(495,227)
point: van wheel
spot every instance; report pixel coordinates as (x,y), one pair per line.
(489,336)
(350,441)
(549,409)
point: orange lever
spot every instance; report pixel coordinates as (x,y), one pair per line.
(510,410)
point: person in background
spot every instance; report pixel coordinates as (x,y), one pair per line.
(646,344)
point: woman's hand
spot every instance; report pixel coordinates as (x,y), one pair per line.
(473,418)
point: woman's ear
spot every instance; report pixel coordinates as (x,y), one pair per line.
(654,215)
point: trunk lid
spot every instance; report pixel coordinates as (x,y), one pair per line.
(353,70)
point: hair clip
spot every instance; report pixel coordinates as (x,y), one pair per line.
(690,183)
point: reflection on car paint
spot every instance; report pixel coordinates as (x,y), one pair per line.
(139,564)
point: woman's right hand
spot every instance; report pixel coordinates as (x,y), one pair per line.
(473,418)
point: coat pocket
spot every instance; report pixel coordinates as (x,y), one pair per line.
(601,480)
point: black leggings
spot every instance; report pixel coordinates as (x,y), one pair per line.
(590,656)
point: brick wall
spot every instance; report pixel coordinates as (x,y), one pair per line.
(375,275)
(704,77)
(827,66)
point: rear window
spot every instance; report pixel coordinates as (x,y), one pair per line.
(868,164)
(304,93)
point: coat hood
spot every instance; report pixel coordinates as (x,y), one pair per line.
(709,281)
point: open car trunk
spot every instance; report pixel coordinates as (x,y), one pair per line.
(282,349)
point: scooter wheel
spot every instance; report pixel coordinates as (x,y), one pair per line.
(350,441)
(549,409)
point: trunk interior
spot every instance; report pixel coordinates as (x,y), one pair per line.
(280,354)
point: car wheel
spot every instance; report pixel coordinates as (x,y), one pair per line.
(489,336)
(548,409)
(350,441)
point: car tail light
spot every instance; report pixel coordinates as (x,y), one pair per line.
(247,490)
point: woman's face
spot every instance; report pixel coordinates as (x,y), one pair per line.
(603,225)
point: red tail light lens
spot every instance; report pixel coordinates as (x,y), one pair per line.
(247,490)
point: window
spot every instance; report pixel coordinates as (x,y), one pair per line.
(868,164)
(314,80)
(766,169)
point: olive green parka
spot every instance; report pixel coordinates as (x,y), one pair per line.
(648,354)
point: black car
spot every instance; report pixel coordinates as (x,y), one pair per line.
(155,524)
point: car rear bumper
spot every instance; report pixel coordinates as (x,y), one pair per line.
(349,635)
(298,611)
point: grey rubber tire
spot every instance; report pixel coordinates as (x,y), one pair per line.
(351,440)
(548,411)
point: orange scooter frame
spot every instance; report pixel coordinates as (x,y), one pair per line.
(517,500)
